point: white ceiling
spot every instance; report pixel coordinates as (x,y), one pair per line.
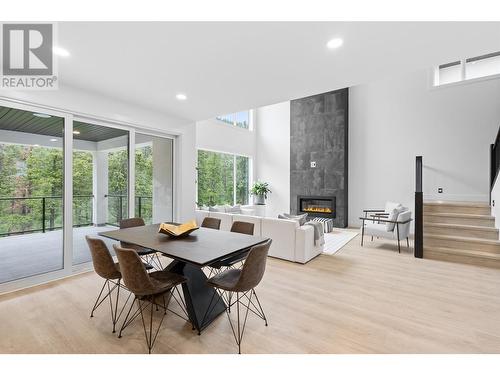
(226,67)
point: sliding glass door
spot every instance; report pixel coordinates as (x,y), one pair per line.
(100,183)
(62,179)
(153,178)
(31,193)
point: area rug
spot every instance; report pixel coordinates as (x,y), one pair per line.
(336,240)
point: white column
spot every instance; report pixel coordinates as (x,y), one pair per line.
(131,173)
(68,193)
(162,179)
(101,187)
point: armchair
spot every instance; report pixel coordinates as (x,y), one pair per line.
(378,226)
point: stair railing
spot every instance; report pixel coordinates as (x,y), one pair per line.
(419,210)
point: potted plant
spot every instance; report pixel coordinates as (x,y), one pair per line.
(260,190)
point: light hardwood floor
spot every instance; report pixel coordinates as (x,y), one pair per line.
(360,300)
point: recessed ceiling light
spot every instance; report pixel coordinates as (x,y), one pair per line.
(76,132)
(53,139)
(334,43)
(59,51)
(181,97)
(42,115)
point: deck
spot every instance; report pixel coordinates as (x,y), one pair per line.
(36,253)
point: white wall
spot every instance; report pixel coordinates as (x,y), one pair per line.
(87,104)
(218,136)
(393,120)
(272,162)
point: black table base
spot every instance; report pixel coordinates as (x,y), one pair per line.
(202,301)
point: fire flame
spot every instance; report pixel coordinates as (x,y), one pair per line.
(324,210)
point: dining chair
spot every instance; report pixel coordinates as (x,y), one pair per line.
(151,290)
(229,262)
(211,222)
(149,256)
(106,268)
(243,282)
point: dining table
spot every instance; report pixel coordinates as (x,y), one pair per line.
(190,254)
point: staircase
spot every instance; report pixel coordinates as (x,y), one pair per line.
(462,232)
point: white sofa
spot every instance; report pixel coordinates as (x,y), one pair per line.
(290,241)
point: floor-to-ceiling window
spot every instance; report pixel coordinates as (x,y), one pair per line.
(153,178)
(100,183)
(31,193)
(63,178)
(222,178)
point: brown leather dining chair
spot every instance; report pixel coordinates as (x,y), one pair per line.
(243,282)
(237,227)
(149,256)
(105,267)
(153,290)
(211,222)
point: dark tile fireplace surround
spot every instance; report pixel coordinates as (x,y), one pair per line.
(319,155)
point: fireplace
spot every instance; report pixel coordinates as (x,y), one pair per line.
(316,206)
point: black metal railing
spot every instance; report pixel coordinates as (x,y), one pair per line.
(494,159)
(419,210)
(47,211)
(118,208)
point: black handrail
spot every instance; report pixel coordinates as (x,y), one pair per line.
(43,200)
(139,198)
(494,160)
(419,210)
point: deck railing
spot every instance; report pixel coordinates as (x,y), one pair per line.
(41,210)
(23,215)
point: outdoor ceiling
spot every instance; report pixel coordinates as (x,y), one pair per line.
(227,67)
(24,121)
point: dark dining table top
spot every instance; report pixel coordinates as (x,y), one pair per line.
(202,247)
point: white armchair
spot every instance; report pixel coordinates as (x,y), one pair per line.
(391,225)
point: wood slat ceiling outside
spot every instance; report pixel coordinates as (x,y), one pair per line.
(23,121)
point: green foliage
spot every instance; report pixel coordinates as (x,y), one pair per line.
(117,186)
(260,188)
(144,183)
(215,178)
(36,172)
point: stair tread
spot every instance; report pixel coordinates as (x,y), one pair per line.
(465,216)
(457,203)
(462,239)
(461,226)
(469,253)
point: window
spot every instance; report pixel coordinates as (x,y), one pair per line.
(222,178)
(469,68)
(238,119)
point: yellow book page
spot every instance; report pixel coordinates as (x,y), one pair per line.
(179,229)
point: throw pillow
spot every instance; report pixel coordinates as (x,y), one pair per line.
(393,216)
(233,209)
(301,219)
(216,209)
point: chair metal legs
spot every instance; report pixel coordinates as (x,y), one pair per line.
(150,303)
(244,300)
(154,261)
(108,290)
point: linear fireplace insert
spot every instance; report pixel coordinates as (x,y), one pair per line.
(317,206)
